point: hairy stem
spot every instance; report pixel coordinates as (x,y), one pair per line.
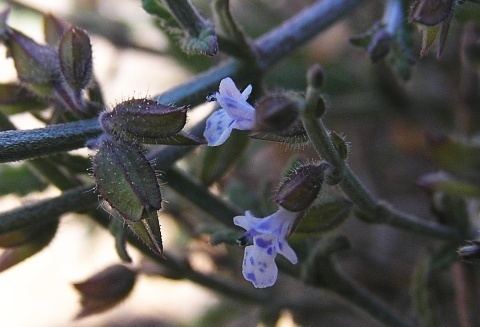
(376,211)
(273,46)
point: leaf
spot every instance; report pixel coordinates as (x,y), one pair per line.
(457,156)
(42,237)
(19,180)
(421,294)
(15,99)
(325,216)
(444,182)
(218,160)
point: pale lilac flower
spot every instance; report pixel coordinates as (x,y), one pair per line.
(269,237)
(234,113)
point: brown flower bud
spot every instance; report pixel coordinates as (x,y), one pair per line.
(275,113)
(300,188)
(105,289)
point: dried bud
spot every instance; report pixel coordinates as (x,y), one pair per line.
(36,64)
(379,46)
(315,76)
(431,12)
(53,29)
(143,120)
(25,243)
(470,252)
(75,52)
(275,112)
(105,289)
(126,180)
(300,188)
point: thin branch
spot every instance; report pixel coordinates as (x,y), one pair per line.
(272,47)
(376,211)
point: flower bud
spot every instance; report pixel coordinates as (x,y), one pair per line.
(431,12)
(470,251)
(143,120)
(300,188)
(379,46)
(75,52)
(105,289)
(126,180)
(275,112)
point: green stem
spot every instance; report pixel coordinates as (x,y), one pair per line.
(200,196)
(321,271)
(377,211)
(273,46)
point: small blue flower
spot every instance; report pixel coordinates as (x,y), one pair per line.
(269,237)
(235,112)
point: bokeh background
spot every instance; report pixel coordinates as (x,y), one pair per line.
(385,120)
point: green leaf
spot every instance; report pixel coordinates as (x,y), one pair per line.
(15,99)
(42,237)
(19,180)
(457,156)
(421,294)
(325,216)
(218,160)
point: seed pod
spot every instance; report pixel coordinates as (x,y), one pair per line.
(300,189)
(126,180)
(143,121)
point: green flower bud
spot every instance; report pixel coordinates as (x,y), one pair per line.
(143,120)
(126,180)
(75,52)
(299,189)
(275,112)
(105,289)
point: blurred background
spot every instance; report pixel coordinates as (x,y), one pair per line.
(388,122)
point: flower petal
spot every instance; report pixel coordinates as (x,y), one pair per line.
(218,128)
(247,91)
(238,109)
(259,267)
(228,88)
(286,250)
(247,222)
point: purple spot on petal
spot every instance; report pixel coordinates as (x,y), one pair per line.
(280,245)
(251,277)
(262,270)
(263,243)
(270,251)
(252,261)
